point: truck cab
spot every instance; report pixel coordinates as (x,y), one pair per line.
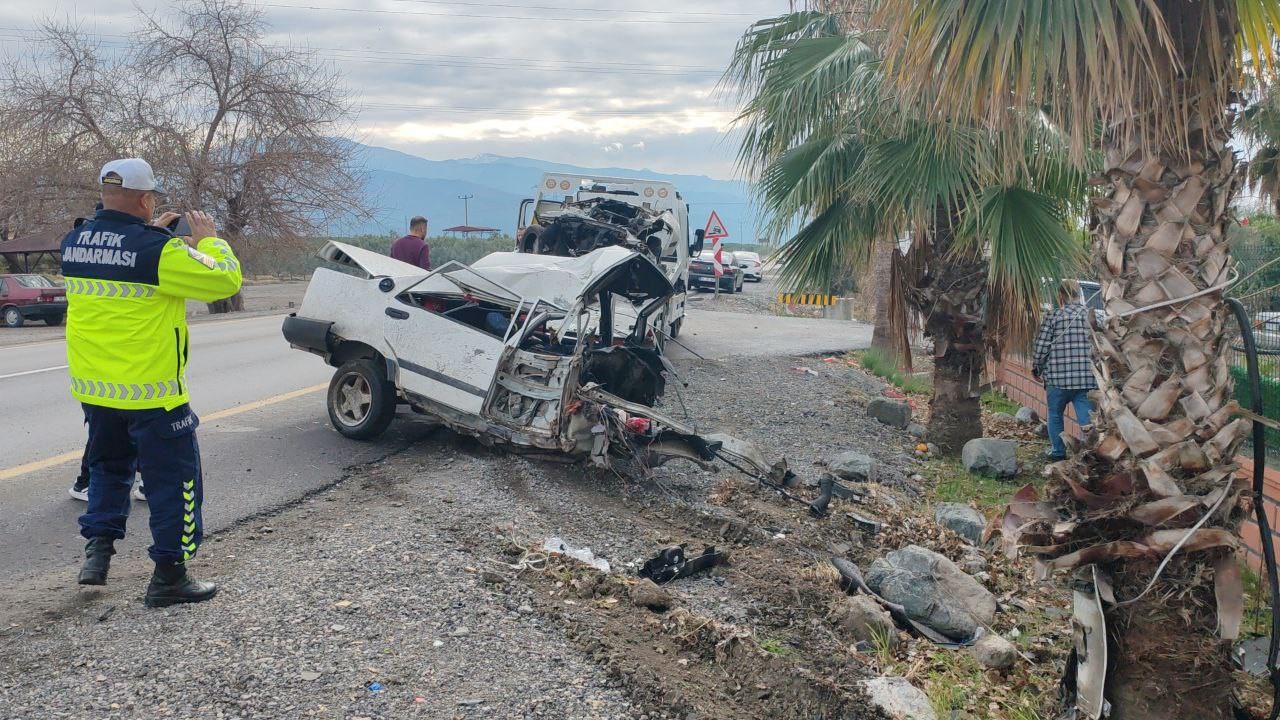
(560,191)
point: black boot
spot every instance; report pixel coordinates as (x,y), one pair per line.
(170,585)
(97,561)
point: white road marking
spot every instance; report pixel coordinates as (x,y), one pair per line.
(33,372)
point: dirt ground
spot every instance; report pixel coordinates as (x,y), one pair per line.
(418,586)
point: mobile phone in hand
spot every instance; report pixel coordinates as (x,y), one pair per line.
(180,227)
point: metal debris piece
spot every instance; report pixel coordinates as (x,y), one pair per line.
(672,564)
(1089,628)
(865,524)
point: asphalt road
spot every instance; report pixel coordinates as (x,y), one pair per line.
(264,433)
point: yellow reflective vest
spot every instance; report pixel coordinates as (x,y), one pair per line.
(127,286)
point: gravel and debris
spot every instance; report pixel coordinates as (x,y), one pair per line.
(420,586)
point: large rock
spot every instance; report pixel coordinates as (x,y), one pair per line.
(916,430)
(899,699)
(854,466)
(964,520)
(994,652)
(647,594)
(1002,417)
(862,619)
(890,412)
(1027,416)
(933,591)
(991,457)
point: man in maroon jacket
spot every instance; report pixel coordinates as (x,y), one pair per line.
(413,248)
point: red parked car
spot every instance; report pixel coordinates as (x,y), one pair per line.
(31,297)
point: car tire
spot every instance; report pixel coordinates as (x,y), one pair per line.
(11,317)
(54,320)
(361,401)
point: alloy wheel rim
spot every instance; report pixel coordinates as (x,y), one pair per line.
(354,398)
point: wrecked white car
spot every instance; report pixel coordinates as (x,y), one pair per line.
(507,350)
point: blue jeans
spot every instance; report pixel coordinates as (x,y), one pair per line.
(1058,399)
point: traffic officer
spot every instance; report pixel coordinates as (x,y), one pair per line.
(127,284)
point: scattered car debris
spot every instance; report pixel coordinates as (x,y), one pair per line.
(865,524)
(826,486)
(673,564)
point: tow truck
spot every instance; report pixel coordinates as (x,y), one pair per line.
(573,215)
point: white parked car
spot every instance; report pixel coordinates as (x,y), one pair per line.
(752,266)
(506,349)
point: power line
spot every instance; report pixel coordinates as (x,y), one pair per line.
(571,9)
(529,18)
(524,112)
(496,62)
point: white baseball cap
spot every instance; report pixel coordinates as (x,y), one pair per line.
(129,173)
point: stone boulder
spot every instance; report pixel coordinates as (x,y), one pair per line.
(991,457)
(933,591)
(994,652)
(890,412)
(918,431)
(1027,416)
(964,520)
(648,594)
(899,699)
(854,466)
(1002,416)
(862,619)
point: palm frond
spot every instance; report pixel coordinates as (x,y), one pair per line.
(836,241)
(1027,238)
(1082,61)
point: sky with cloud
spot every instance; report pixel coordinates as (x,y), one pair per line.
(610,83)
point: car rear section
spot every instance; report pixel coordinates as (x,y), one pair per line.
(31,297)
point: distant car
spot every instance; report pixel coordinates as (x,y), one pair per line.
(752,267)
(31,297)
(702,275)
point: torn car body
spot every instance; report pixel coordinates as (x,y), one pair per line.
(516,349)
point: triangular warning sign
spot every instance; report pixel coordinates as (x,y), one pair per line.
(715,228)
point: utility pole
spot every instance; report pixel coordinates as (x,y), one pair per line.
(466,215)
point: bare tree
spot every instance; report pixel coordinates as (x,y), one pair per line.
(243,129)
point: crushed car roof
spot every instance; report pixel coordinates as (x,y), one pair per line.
(558,281)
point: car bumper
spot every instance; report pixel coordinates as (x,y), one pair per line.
(700,280)
(43,310)
(314,336)
(752,274)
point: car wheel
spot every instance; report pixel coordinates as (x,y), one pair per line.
(361,401)
(54,320)
(12,318)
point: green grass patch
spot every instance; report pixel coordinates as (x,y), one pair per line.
(952,483)
(774,646)
(997,402)
(884,365)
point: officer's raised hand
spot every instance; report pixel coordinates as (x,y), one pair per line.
(164,220)
(201,227)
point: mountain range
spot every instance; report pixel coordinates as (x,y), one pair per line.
(400,185)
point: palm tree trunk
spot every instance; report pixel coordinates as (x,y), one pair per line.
(951,295)
(1164,428)
(882,268)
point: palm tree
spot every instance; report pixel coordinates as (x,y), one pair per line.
(1156,77)
(1260,124)
(836,155)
